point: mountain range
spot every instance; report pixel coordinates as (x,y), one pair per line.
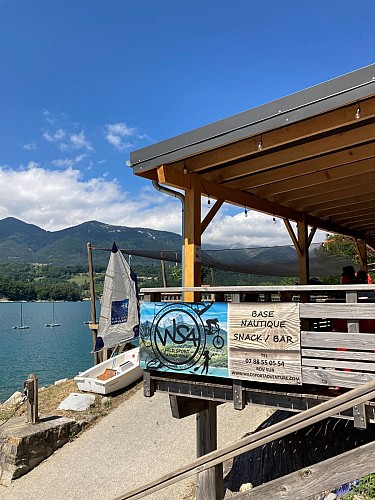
(22,242)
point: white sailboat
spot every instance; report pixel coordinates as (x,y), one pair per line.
(54,323)
(22,325)
(118,324)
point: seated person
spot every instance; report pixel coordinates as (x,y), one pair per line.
(363,278)
(348,276)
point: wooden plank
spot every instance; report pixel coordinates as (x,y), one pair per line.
(360,341)
(334,354)
(319,477)
(280,136)
(353,326)
(182,406)
(337,364)
(337,310)
(210,482)
(148,384)
(334,378)
(299,421)
(333,189)
(294,176)
(359,416)
(192,243)
(293,237)
(294,153)
(263,289)
(211,214)
(239,198)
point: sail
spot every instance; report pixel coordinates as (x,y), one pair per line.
(119,315)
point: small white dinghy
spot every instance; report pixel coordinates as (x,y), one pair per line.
(118,325)
(112,375)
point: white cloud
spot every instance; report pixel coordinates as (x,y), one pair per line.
(68,162)
(68,141)
(48,117)
(115,133)
(61,198)
(31,146)
(79,141)
(54,137)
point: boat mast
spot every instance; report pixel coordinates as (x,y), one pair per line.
(93,325)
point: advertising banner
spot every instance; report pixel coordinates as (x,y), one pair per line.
(247,341)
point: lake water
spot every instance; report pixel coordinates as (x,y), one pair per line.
(50,353)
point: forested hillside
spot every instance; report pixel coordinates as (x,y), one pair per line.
(26,243)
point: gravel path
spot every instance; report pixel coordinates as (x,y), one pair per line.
(137,442)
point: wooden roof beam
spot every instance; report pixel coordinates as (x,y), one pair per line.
(313,165)
(362,216)
(335,174)
(332,190)
(341,195)
(347,209)
(281,136)
(360,133)
(211,214)
(325,209)
(175,178)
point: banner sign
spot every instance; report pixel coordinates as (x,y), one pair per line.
(256,341)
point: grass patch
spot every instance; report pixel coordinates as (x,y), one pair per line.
(51,396)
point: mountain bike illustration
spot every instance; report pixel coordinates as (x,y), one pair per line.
(212,327)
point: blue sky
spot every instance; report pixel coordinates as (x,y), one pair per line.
(84,82)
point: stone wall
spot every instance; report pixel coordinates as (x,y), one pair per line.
(23,446)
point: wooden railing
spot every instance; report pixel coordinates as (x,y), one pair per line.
(337,341)
(337,352)
(300,484)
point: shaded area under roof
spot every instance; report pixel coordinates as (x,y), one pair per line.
(266,261)
(308,156)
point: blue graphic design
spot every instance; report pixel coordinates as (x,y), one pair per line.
(119,311)
(184,337)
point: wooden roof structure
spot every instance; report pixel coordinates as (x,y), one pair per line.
(307,157)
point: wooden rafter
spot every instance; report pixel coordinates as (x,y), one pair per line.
(282,136)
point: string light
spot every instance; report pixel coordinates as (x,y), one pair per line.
(274,220)
(260,145)
(209,200)
(185,170)
(245,212)
(358,112)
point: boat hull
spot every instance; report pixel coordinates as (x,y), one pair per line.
(123,370)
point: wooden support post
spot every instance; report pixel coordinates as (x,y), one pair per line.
(163,273)
(148,385)
(210,483)
(192,243)
(359,416)
(303,264)
(93,325)
(362,253)
(303,258)
(239,395)
(182,406)
(31,390)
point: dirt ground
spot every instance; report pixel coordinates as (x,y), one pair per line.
(50,397)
